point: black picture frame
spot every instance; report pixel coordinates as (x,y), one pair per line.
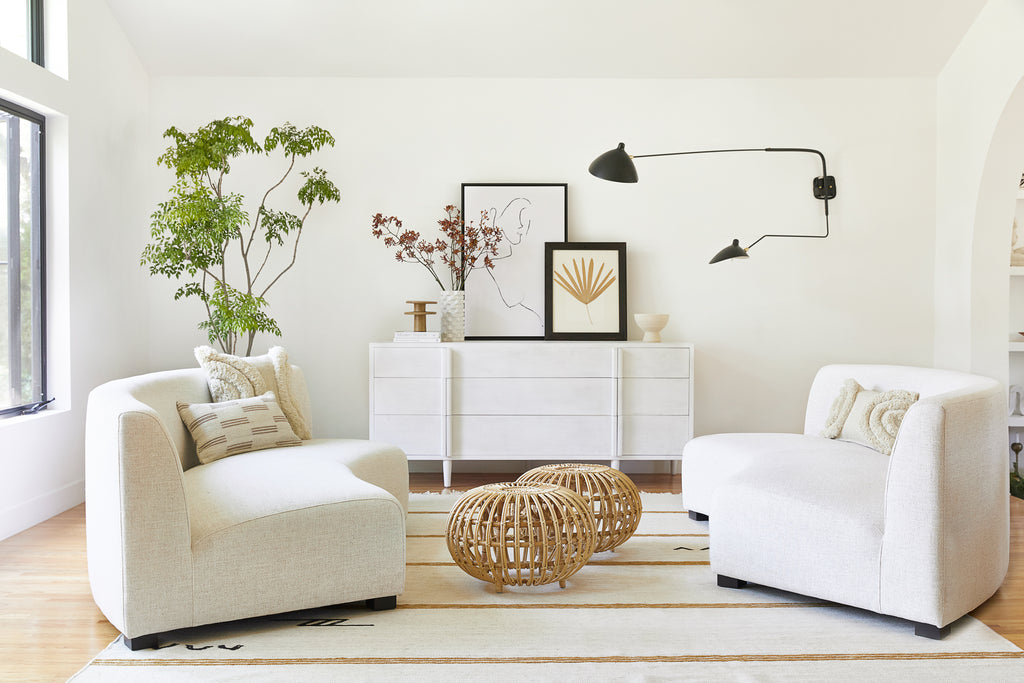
(570,291)
(507,302)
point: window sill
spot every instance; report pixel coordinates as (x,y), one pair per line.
(18,420)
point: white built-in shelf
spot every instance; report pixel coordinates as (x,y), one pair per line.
(1016,271)
(1016,346)
(1020,194)
(1015,420)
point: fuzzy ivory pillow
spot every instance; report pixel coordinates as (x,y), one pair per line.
(231,377)
(237,426)
(870,418)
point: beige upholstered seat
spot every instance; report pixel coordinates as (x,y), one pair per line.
(174,544)
(922,534)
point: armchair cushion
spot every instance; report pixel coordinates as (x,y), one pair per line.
(816,522)
(711,461)
(245,517)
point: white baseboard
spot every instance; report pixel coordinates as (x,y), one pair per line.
(25,515)
(520,466)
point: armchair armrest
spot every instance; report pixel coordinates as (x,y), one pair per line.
(945,547)
(137,523)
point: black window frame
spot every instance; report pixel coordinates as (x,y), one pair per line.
(39,240)
(35,51)
(35,32)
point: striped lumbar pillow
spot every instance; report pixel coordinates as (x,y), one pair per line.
(238,426)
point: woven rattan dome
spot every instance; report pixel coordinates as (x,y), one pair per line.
(521,534)
(612,496)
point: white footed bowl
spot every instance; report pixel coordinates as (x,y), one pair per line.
(652,324)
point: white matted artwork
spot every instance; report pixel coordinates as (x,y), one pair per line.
(507,301)
(585,290)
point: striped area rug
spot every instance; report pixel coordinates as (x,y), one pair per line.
(651,610)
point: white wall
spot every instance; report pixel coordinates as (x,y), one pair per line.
(761,327)
(97,322)
(980,149)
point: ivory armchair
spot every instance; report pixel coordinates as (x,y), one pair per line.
(921,534)
(173,543)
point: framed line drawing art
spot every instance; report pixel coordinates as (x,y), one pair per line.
(585,291)
(507,301)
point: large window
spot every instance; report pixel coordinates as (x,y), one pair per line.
(22,261)
(21,28)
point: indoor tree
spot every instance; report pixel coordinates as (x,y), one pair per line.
(204,234)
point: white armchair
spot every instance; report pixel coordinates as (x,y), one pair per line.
(174,544)
(922,534)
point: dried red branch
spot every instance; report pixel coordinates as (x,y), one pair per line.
(462,249)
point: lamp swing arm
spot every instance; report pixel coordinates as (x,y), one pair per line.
(824,170)
(817,236)
(824,186)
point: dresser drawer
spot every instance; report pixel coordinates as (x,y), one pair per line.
(654,435)
(655,361)
(533,360)
(533,396)
(408,396)
(414,434)
(414,361)
(648,396)
(539,437)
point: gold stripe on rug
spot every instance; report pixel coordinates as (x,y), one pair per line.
(592,563)
(646,512)
(619,605)
(633,536)
(668,659)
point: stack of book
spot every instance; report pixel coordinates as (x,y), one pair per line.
(403,336)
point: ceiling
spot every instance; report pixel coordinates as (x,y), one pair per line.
(547,38)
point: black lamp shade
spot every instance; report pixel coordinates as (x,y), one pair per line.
(734,250)
(615,165)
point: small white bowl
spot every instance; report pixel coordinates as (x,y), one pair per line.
(652,324)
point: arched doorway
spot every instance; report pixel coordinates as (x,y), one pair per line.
(993,220)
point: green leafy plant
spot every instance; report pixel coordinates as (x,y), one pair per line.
(203,232)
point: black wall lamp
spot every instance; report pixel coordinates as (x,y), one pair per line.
(617,165)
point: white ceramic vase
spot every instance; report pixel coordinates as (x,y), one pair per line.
(453,316)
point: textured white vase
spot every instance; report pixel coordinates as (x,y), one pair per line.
(453,316)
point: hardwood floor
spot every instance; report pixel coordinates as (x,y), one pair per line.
(50,627)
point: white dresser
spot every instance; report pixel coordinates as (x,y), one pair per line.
(532,400)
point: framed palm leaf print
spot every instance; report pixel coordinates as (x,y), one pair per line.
(585,290)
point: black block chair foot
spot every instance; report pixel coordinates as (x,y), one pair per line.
(698,516)
(381,604)
(729,582)
(140,642)
(929,631)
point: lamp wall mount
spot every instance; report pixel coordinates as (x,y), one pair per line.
(825,188)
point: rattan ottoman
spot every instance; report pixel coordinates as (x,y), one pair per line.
(521,534)
(612,495)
